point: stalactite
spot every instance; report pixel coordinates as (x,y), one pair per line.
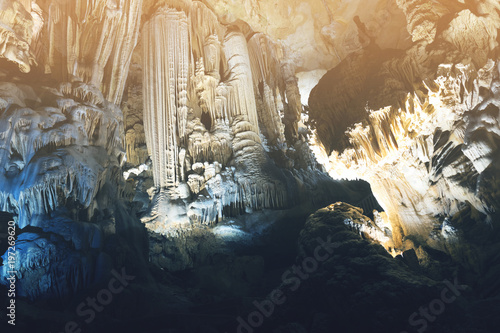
(293,100)
(241,100)
(116,70)
(93,41)
(206,32)
(266,57)
(16,30)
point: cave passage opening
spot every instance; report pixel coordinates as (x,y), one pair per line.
(206,120)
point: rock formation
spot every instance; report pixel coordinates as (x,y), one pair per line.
(212,102)
(418,125)
(61,151)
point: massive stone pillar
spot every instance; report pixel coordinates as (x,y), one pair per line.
(166,68)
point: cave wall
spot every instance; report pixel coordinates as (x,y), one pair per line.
(114,113)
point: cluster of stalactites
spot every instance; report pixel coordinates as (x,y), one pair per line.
(93,41)
(55,154)
(171,57)
(235,88)
(80,40)
(225,99)
(276,85)
(455,90)
(435,136)
(16,32)
(206,35)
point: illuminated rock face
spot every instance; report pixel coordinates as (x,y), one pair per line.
(62,136)
(62,140)
(421,126)
(52,153)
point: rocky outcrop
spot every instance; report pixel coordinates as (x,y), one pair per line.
(337,275)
